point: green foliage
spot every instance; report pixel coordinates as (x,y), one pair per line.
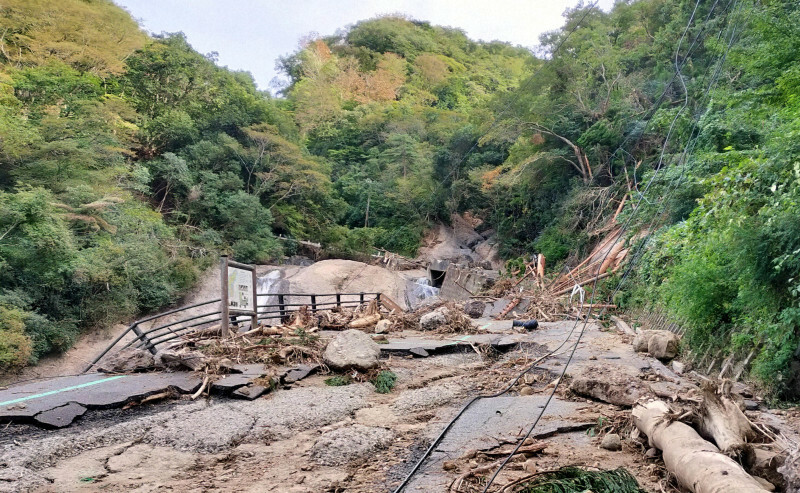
(15,346)
(576,480)
(129,162)
(338,381)
(384,381)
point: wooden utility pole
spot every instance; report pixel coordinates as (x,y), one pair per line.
(223,278)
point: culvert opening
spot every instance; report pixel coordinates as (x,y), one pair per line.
(437,278)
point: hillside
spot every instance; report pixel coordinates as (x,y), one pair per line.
(129,162)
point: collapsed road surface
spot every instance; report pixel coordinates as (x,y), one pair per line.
(312,437)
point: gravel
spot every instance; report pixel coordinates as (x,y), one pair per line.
(426,398)
(349,444)
(197,427)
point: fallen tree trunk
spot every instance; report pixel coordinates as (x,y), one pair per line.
(722,421)
(695,462)
(366,321)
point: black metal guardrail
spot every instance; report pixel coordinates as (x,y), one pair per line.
(285,305)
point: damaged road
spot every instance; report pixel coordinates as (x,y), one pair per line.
(308,436)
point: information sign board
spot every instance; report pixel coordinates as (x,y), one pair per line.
(240,290)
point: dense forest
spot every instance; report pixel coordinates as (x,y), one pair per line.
(130,161)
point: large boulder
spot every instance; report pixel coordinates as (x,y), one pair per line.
(611,384)
(433,320)
(661,344)
(129,359)
(352,349)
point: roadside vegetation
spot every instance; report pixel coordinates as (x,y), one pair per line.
(129,162)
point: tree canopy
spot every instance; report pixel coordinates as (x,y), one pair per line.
(129,161)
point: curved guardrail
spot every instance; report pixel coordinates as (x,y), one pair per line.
(163,329)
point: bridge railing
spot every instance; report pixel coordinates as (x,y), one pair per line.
(150,332)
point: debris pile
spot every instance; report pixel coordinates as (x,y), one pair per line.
(443,317)
(709,444)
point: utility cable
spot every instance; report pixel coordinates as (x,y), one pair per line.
(578,317)
(690,143)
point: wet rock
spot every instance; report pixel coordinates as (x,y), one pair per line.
(349,444)
(352,349)
(474,308)
(766,464)
(127,360)
(611,442)
(383,327)
(432,320)
(765,484)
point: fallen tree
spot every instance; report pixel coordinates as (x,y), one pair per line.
(721,420)
(695,462)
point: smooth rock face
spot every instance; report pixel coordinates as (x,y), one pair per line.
(432,320)
(352,443)
(352,349)
(611,442)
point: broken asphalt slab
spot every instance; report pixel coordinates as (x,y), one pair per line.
(413,345)
(45,401)
(486,423)
(298,373)
(57,402)
(62,416)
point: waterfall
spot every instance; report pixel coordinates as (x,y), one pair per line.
(266,282)
(422,289)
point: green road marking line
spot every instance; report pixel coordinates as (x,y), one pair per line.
(460,339)
(45,394)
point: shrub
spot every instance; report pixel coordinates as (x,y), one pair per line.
(384,382)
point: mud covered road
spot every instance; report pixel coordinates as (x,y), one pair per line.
(313,437)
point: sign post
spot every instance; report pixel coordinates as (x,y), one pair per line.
(239,294)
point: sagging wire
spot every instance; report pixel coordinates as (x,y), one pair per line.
(531,366)
(578,316)
(642,248)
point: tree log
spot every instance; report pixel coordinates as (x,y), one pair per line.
(722,421)
(696,463)
(366,321)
